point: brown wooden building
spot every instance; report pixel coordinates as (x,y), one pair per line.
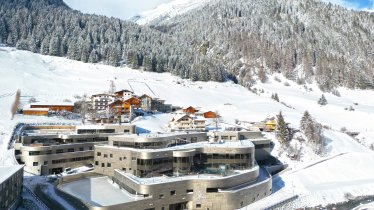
(133,101)
(210,114)
(35,111)
(55,107)
(124,94)
(190,110)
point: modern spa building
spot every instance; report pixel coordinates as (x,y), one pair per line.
(191,170)
(51,149)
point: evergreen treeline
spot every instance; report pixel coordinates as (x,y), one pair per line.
(226,39)
(305,40)
(50,27)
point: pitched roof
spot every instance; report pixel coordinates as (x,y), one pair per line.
(103,94)
(177,117)
(132,98)
(145,96)
(124,90)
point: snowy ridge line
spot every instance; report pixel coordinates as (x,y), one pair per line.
(36,198)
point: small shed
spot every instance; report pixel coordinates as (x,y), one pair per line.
(270,125)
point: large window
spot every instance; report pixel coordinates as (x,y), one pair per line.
(32,153)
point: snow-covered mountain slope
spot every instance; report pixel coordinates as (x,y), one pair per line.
(167,10)
(53,79)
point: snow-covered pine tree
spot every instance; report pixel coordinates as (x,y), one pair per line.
(305,121)
(54,46)
(44,49)
(94,57)
(322,101)
(313,132)
(276,98)
(282,129)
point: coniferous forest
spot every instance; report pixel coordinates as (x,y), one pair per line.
(242,40)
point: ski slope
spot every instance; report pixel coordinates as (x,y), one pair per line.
(167,10)
(347,167)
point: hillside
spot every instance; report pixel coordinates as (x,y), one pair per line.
(304,40)
(244,41)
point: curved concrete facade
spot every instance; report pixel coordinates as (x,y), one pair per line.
(193,194)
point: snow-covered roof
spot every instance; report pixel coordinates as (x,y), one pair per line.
(125,90)
(52,103)
(146,96)
(103,94)
(166,179)
(36,109)
(8,171)
(199,118)
(155,135)
(223,144)
(177,117)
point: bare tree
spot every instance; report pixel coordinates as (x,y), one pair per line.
(82,108)
(217,119)
(16,104)
(32,100)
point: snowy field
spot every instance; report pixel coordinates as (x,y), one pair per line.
(347,166)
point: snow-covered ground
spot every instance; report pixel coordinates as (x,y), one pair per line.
(167,10)
(345,168)
(366,138)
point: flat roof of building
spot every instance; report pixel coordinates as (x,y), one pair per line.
(167,179)
(156,135)
(8,171)
(227,144)
(98,191)
(103,126)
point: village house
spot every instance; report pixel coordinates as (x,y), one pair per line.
(123,110)
(101,101)
(210,115)
(190,110)
(133,101)
(146,103)
(35,111)
(54,106)
(184,122)
(124,94)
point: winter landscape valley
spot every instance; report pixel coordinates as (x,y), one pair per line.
(298,95)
